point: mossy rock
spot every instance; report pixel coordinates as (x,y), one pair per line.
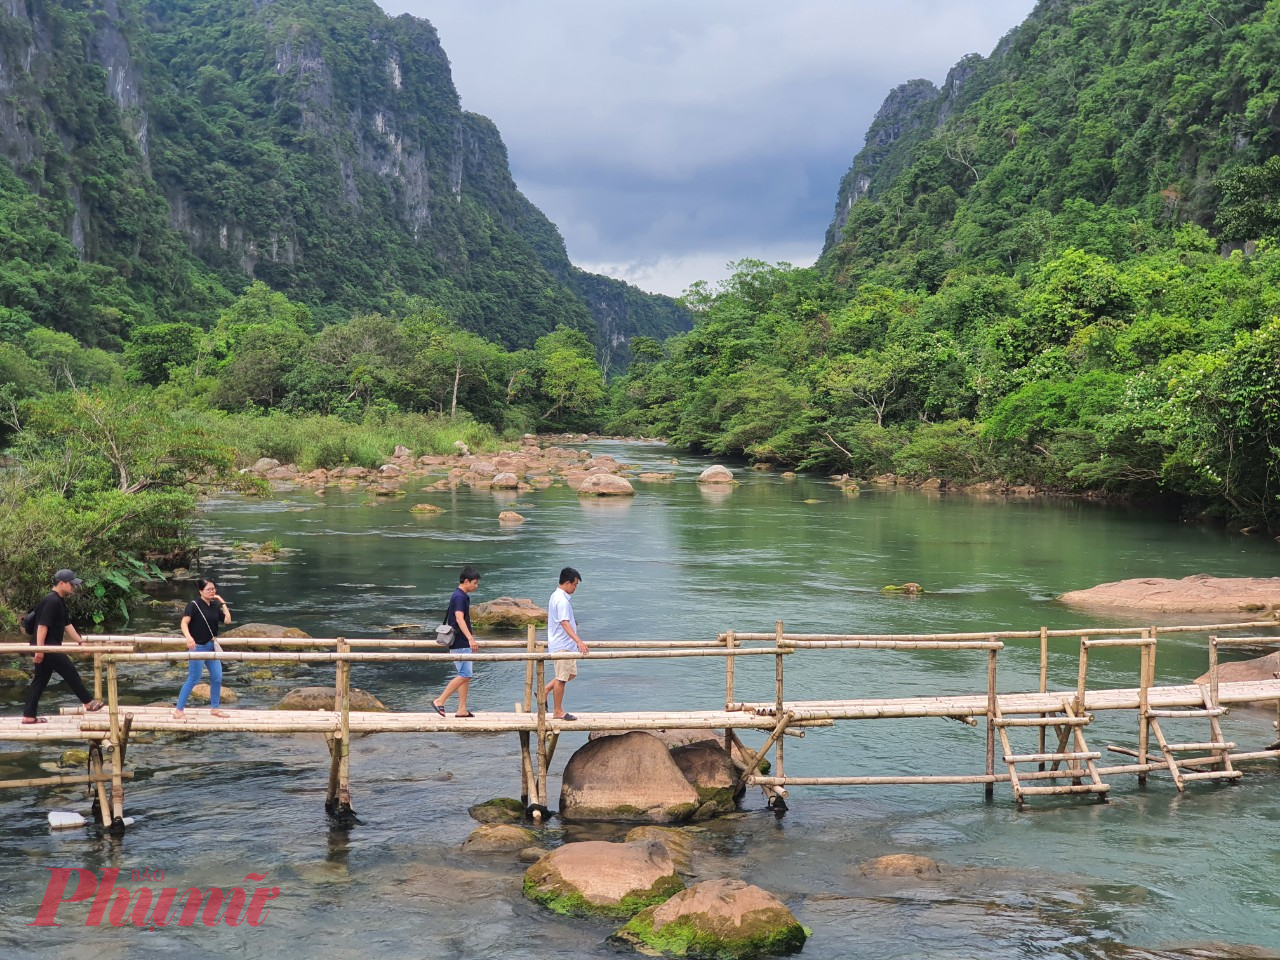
(256,676)
(74,758)
(200,694)
(9,676)
(497,810)
(718,920)
(906,589)
(598,879)
(573,904)
(499,838)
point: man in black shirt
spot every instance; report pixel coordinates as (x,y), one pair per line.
(52,621)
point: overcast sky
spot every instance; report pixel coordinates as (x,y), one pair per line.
(666,138)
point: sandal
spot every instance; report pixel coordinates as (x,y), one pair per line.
(93,706)
(179,715)
(218,713)
(567,716)
(465,716)
(439,709)
(35,719)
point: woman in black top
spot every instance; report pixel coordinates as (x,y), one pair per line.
(200,626)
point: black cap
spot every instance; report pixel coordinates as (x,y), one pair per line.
(66,576)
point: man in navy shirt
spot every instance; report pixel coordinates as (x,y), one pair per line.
(52,621)
(458,616)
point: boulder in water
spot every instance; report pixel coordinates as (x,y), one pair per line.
(596,878)
(322,698)
(628,777)
(717,918)
(716,474)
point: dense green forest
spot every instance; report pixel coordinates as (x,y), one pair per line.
(161,156)
(1059,270)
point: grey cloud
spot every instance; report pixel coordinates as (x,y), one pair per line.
(656,130)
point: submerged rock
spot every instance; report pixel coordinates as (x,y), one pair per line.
(322,698)
(679,844)
(901,865)
(508,612)
(1195,594)
(497,810)
(597,878)
(726,919)
(200,694)
(499,838)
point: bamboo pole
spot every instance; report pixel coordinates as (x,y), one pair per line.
(894,644)
(1146,675)
(778,690)
(744,636)
(97,769)
(353,657)
(1044,682)
(1080,676)
(343,692)
(60,780)
(729,643)
(753,759)
(97,676)
(993,708)
(540,783)
(526,763)
(1213,673)
(117,781)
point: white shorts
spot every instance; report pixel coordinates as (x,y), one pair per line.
(566,670)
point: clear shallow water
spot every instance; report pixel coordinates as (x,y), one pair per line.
(1147,869)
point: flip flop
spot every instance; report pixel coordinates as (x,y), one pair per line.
(439,709)
(35,719)
(465,716)
(179,715)
(93,706)
(219,713)
(567,716)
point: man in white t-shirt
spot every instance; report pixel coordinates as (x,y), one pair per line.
(562,637)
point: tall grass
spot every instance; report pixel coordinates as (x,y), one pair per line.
(321,441)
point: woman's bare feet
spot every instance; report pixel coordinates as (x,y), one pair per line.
(179,715)
(215,712)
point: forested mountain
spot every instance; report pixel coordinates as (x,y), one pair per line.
(162,154)
(1096,124)
(1061,269)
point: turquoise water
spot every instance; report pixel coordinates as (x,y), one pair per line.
(1134,877)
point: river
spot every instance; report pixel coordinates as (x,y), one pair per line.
(1142,875)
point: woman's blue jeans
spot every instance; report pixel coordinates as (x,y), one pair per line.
(193,677)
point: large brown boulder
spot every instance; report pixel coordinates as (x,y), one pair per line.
(508,612)
(322,698)
(718,918)
(716,474)
(596,878)
(606,485)
(711,773)
(1195,594)
(273,630)
(1259,668)
(630,777)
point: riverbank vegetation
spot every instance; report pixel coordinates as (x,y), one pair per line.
(108,451)
(1156,375)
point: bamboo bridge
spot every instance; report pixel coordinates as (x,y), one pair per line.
(1060,761)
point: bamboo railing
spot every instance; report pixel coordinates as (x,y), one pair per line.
(778,718)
